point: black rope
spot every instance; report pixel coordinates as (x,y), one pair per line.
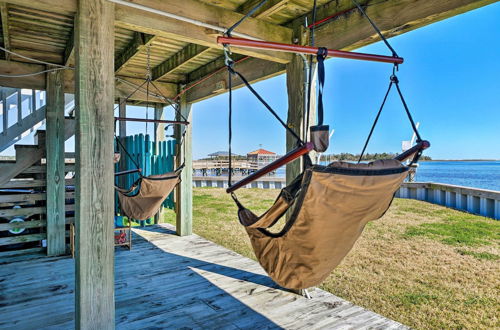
(375,27)
(322,53)
(230,169)
(250,13)
(268,107)
(396,82)
(375,122)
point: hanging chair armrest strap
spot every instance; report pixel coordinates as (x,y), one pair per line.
(292,155)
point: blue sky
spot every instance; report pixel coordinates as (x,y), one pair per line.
(449,78)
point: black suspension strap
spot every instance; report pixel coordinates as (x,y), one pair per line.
(375,27)
(322,53)
(396,82)
(230,85)
(393,81)
(250,13)
(376,121)
(268,107)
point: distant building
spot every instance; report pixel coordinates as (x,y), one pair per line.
(261,157)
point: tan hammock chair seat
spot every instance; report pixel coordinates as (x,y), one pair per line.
(144,199)
(330,206)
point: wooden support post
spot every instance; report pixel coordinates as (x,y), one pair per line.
(54,143)
(295,80)
(184,191)
(94,77)
(159,127)
(122,133)
(122,112)
(159,136)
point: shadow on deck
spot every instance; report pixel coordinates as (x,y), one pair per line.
(168,281)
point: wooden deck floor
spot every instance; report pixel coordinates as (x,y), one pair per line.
(168,281)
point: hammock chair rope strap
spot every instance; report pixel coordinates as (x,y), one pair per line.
(393,81)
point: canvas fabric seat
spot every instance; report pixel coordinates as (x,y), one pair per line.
(143,200)
(330,206)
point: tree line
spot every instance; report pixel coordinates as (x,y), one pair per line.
(345,156)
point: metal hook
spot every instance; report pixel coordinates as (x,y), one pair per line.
(228,61)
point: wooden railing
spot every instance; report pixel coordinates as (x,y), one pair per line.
(473,200)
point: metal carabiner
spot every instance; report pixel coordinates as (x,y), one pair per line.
(228,61)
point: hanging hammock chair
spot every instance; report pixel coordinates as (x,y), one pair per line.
(145,197)
(143,200)
(327,206)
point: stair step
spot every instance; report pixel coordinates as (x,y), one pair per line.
(40,137)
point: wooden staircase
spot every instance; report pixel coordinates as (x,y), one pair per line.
(23,206)
(28,155)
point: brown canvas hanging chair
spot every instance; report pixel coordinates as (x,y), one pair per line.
(143,200)
(329,208)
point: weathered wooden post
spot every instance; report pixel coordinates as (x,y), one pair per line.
(184,191)
(54,142)
(159,127)
(94,77)
(122,134)
(159,136)
(296,75)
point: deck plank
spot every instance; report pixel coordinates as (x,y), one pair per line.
(168,281)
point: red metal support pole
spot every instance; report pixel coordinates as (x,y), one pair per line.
(248,43)
(294,154)
(422,145)
(180,122)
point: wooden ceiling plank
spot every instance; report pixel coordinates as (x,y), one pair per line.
(180,58)
(5,28)
(138,41)
(269,8)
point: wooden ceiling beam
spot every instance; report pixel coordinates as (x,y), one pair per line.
(180,58)
(269,8)
(5,28)
(70,48)
(157,25)
(252,69)
(138,41)
(351,30)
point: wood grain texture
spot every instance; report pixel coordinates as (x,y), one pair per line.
(184,190)
(295,78)
(54,145)
(172,282)
(94,161)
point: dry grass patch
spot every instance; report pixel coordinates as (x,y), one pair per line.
(421,264)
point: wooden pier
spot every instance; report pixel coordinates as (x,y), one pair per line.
(171,282)
(220,166)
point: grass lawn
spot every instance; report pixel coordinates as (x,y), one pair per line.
(421,264)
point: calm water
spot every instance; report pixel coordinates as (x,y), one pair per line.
(477,174)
